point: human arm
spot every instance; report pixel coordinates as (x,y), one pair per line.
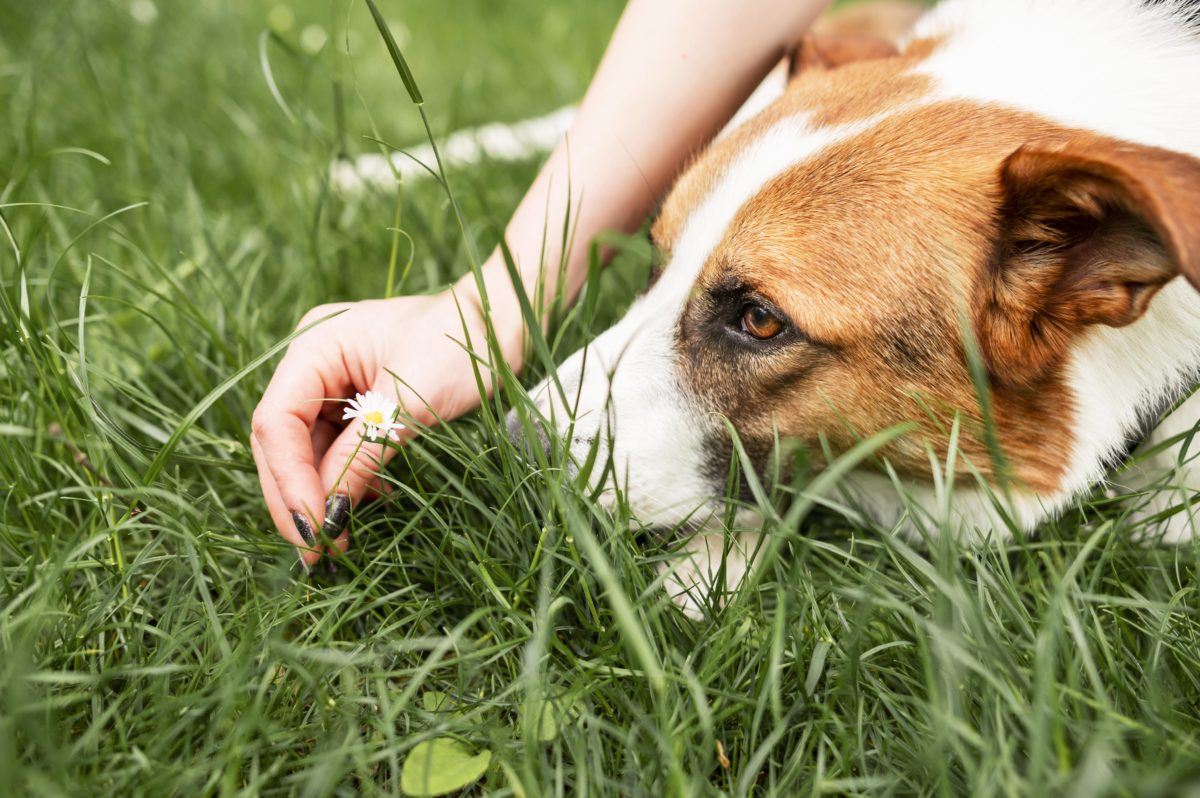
(673,74)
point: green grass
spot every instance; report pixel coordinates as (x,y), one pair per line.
(164,225)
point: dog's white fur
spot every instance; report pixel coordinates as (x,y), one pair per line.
(628,372)
(1115,67)
(1119,68)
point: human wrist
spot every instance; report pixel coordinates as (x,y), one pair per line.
(502,307)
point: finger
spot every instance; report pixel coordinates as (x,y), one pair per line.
(337,513)
(280,515)
(352,464)
(283,424)
(325,432)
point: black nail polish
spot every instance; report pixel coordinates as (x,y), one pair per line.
(337,513)
(304,527)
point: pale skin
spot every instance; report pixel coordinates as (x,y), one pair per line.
(672,76)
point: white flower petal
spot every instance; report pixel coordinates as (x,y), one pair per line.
(379,409)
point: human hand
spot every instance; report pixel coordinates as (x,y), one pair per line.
(302,448)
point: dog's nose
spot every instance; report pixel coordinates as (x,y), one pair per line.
(517,433)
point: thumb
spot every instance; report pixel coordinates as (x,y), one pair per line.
(351,466)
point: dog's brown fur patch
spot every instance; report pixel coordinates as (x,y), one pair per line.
(870,248)
(882,246)
(849,93)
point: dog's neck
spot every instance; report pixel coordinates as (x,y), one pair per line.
(1123,378)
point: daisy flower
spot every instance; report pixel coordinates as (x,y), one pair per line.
(378,414)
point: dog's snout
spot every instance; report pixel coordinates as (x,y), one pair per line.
(518,433)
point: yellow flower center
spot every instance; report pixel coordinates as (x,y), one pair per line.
(374,417)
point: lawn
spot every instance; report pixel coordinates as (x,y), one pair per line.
(164,220)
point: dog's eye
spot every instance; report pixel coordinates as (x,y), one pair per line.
(760,322)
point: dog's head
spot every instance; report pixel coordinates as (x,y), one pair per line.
(826,262)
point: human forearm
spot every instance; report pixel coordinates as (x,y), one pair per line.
(673,74)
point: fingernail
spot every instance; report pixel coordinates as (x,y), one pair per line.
(337,513)
(303,564)
(304,527)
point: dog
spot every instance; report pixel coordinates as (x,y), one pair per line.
(990,233)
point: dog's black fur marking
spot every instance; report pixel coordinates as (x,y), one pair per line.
(1189,10)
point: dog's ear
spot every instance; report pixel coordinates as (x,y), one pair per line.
(1090,229)
(832,50)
